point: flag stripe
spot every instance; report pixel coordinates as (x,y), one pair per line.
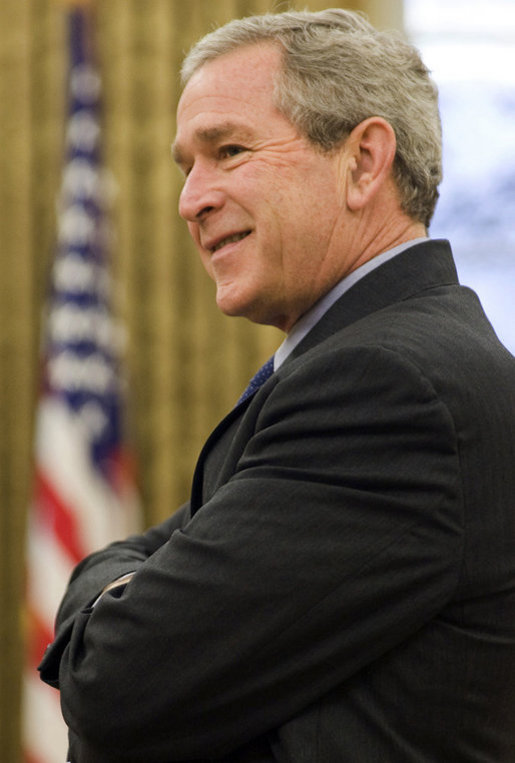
(44,731)
(41,636)
(83,497)
(58,515)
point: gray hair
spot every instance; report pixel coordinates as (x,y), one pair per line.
(337,71)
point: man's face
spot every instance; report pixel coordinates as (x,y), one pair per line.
(263,206)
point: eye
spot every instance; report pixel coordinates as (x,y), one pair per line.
(226,152)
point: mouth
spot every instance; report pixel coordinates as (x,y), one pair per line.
(229,240)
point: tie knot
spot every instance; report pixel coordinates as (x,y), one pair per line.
(258,379)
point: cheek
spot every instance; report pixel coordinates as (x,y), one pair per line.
(204,256)
(194,233)
(206,263)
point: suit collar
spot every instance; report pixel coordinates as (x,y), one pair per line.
(315,313)
(423,266)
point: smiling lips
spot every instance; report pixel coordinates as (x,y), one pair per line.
(228,240)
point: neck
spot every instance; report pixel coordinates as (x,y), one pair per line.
(392,234)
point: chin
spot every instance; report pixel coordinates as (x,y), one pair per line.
(241,309)
(235,302)
(232,301)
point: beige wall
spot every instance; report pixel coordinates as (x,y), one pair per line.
(187,363)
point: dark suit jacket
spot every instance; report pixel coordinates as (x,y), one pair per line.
(342,586)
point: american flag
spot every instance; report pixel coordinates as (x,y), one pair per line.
(83,495)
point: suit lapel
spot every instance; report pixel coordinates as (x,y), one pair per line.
(423,266)
(224,430)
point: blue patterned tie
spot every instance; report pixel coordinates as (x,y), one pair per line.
(258,379)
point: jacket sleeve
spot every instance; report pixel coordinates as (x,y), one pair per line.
(338,536)
(96,571)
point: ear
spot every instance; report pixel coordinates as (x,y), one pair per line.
(371,146)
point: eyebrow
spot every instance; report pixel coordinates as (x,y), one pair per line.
(210,135)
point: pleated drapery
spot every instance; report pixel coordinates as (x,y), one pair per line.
(186,362)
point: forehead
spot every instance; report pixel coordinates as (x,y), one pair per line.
(235,88)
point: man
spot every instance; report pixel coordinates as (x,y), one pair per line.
(341,586)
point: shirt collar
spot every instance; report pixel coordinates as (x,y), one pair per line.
(313,315)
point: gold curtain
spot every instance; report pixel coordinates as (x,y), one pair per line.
(186,362)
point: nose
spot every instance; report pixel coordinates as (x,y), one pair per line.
(199,195)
